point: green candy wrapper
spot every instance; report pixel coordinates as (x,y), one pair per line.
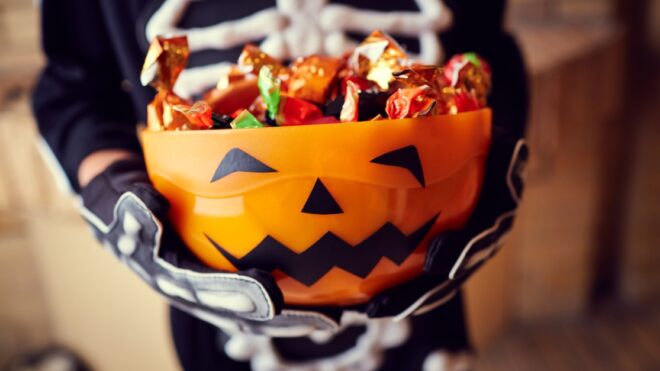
(246,121)
(269,88)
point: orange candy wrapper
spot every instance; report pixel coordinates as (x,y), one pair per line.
(376,77)
(312,77)
(165,60)
(252,59)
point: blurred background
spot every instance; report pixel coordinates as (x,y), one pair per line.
(577,286)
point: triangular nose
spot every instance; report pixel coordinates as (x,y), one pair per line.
(320,201)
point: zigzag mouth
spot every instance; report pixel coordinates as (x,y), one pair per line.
(331,251)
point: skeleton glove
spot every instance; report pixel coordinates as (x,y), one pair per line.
(453,256)
(129,218)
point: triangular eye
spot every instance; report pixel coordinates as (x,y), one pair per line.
(236,160)
(407,158)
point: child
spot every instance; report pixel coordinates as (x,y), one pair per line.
(89,100)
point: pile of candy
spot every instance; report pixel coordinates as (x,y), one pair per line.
(376,81)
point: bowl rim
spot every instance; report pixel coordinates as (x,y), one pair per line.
(363,124)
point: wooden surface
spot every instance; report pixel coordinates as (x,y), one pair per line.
(616,340)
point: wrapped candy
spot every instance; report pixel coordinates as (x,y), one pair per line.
(349,110)
(362,83)
(295,111)
(269,88)
(375,81)
(236,96)
(198,115)
(470,73)
(245,120)
(252,59)
(161,114)
(418,75)
(164,62)
(410,102)
(312,77)
(377,58)
(459,100)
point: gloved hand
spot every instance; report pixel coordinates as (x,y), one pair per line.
(128,217)
(453,256)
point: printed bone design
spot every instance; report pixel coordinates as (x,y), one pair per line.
(331,251)
(296,28)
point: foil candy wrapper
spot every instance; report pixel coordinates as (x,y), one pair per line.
(252,59)
(312,78)
(410,102)
(269,89)
(245,120)
(198,115)
(296,111)
(349,110)
(165,60)
(377,58)
(470,73)
(161,114)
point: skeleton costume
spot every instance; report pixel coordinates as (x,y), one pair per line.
(89,98)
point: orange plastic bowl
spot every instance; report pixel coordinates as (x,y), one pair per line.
(337,212)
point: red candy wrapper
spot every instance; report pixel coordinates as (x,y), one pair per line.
(295,111)
(411,102)
(470,73)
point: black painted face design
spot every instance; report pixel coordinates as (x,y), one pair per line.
(330,250)
(237,160)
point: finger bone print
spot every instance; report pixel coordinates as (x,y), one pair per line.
(295,28)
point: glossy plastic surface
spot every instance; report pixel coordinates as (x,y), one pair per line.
(338,212)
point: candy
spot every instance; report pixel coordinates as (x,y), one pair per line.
(198,115)
(245,120)
(377,57)
(411,102)
(462,101)
(470,73)
(237,95)
(375,81)
(312,77)
(418,75)
(172,119)
(294,111)
(252,59)
(259,109)
(164,62)
(362,83)
(269,88)
(349,110)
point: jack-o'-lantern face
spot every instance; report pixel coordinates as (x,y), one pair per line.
(336,212)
